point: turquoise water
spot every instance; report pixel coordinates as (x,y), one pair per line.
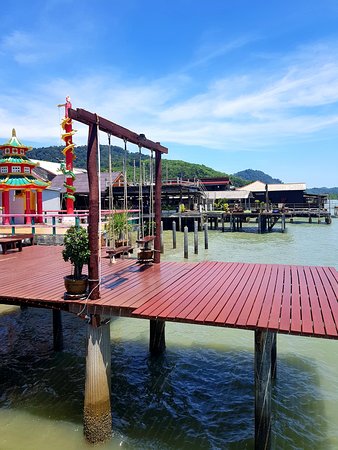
(199,395)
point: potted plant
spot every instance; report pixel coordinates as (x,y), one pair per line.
(76,250)
(117,228)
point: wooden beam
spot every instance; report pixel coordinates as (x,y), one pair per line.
(93,215)
(105,125)
(158,206)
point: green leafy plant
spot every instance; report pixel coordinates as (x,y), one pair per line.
(117,225)
(76,249)
(222,204)
(181,208)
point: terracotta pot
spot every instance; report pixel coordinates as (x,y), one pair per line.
(76,287)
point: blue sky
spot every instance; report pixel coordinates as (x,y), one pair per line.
(232,84)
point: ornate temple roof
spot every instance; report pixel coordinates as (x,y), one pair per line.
(21,182)
(14,142)
(11,177)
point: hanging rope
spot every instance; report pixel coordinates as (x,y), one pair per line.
(111,225)
(151,194)
(125,191)
(140,197)
(100,206)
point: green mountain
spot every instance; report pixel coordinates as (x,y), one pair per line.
(257,175)
(170,168)
(333,192)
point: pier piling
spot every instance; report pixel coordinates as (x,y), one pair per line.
(196,237)
(186,254)
(157,337)
(97,408)
(206,242)
(263,352)
(57,331)
(174,234)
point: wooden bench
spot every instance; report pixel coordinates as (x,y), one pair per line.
(11,240)
(119,251)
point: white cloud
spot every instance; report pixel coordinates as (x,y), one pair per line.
(250,111)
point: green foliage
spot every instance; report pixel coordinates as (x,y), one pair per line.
(221,204)
(117,225)
(170,168)
(76,249)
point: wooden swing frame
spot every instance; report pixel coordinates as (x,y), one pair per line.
(95,124)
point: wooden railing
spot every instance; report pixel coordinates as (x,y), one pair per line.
(49,222)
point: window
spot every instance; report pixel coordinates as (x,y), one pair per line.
(22,152)
(7,151)
(27,170)
(4,169)
(14,151)
(16,169)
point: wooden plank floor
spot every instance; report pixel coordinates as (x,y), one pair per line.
(288,299)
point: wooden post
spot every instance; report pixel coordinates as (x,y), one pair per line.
(179,222)
(196,237)
(222,222)
(97,409)
(206,243)
(174,234)
(186,242)
(93,214)
(157,337)
(283,223)
(162,244)
(57,331)
(158,209)
(263,346)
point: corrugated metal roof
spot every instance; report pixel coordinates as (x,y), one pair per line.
(258,186)
(81,182)
(229,195)
(54,167)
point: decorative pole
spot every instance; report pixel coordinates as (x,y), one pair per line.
(68,151)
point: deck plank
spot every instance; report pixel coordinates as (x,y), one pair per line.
(288,299)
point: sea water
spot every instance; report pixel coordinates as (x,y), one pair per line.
(199,394)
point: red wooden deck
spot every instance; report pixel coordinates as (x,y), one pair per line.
(287,299)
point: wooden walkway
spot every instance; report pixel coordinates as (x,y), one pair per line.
(286,299)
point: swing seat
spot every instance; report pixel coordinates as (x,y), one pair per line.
(145,256)
(119,251)
(146,242)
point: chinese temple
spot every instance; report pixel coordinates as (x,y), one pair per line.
(21,190)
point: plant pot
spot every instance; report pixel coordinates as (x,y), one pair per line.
(76,287)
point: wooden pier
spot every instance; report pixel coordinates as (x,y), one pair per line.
(235,221)
(267,299)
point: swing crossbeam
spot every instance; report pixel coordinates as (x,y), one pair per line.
(105,125)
